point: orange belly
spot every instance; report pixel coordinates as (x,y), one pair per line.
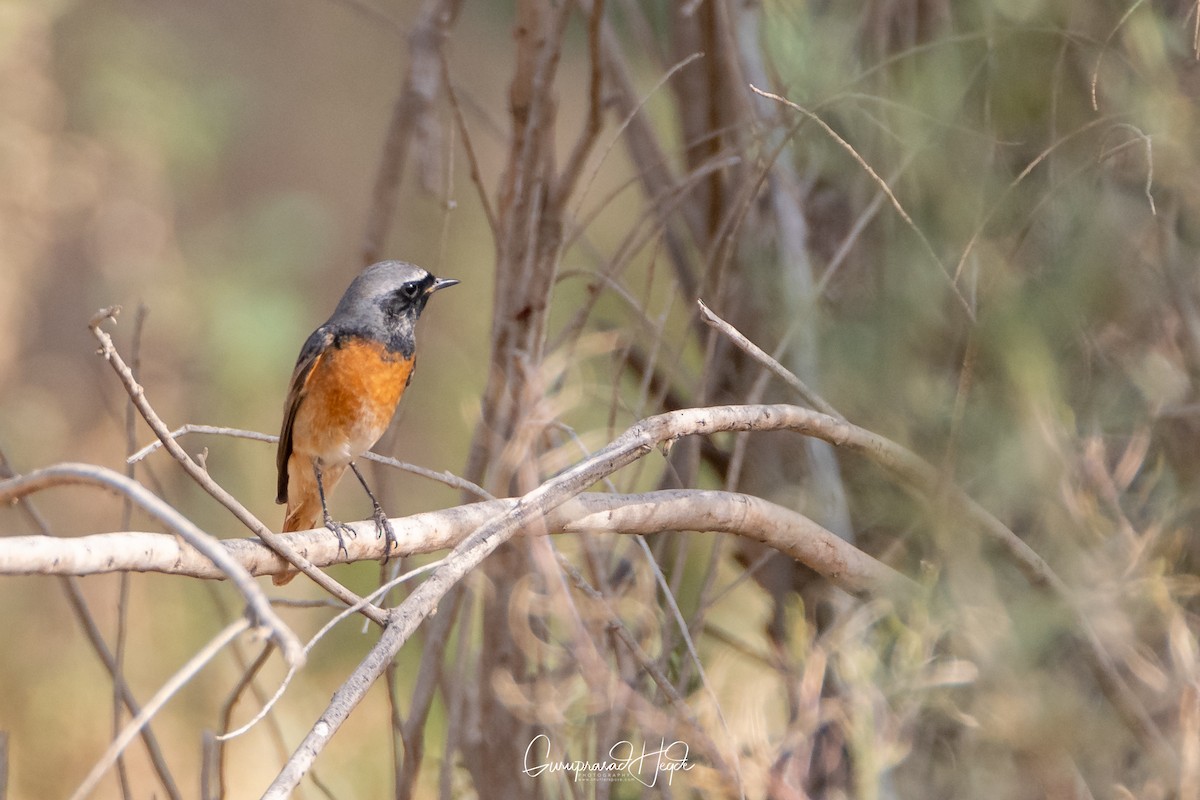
(349,399)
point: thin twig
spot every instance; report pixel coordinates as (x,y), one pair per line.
(468,147)
(690,644)
(325,629)
(139,324)
(445,477)
(764,358)
(245,681)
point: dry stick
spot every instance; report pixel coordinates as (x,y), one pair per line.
(1144,138)
(245,681)
(636,442)
(569,177)
(475,173)
(168,690)
(215,430)
(1104,48)
(446,477)
(90,474)
(139,325)
(201,476)
(860,223)
(931,482)
(759,355)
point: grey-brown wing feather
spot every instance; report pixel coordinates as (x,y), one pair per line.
(315,347)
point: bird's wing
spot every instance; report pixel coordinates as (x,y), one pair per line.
(310,355)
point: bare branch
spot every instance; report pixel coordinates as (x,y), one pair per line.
(445,477)
(635,443)
(653,512)
(764,358)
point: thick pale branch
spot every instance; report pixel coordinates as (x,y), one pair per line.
(654,512)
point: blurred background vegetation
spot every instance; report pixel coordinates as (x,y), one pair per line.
(1019,307)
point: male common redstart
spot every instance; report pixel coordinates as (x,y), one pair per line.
(348,381)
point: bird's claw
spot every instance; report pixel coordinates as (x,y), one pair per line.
(337,528)
(383,527)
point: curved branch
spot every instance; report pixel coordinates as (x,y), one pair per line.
(654,512)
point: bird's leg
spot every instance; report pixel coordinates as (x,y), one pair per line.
(383,526)
(336,527)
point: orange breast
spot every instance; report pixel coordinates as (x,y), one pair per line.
(349,399)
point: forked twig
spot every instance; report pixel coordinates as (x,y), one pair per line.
(635,443)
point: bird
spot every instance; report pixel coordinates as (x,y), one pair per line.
(346,386)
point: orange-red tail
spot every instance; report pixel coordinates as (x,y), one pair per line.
(304,510)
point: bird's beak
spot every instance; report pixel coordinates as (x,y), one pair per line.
(441,283)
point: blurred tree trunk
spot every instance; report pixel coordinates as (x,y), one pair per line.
(508,440)
(749,192)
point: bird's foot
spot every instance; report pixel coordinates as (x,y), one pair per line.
(383,527)
(338,529)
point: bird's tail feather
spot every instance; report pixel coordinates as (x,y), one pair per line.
(304,510)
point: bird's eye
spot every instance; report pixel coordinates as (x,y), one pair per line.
(410,290)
